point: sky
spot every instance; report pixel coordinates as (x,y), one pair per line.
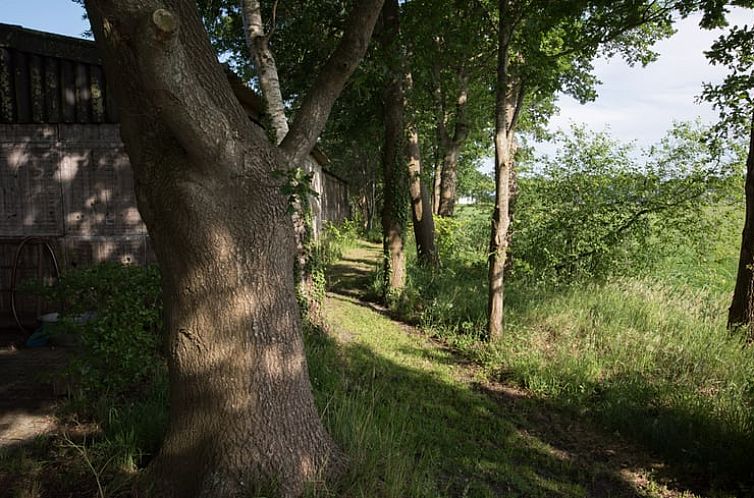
(640,103)
(634,104)
(56,16)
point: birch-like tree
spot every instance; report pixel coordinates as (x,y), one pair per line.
(544,48)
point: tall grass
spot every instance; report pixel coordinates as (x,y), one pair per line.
(647,354)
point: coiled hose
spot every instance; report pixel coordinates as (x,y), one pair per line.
(14,273)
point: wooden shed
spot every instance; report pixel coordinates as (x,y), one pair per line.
(66,189)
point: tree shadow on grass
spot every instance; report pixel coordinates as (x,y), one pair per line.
(458,441)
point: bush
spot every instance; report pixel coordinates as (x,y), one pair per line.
(115,312)
(596,211)
(323,252)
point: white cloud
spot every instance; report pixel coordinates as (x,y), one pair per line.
(641,103)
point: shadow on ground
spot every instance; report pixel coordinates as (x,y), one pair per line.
(487,438)
(459,441)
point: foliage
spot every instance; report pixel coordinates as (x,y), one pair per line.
(647,356)
(594,210)
(650,360)
(296,186)
(325,250)
(733,97)
(115,311)
(117,378)
(473,183)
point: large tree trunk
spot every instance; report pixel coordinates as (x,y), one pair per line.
(452,149)
(741,312)
(509,96)
(394,181)
(424,224)
(242,413)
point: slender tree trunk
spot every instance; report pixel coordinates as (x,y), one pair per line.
(421,214)
(436,185)
(452,148)
(440,136)
(256,39)
(508,102)
(394,205)
(241,409)
(424,224)
(741,312)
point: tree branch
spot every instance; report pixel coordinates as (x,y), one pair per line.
(256,40)
(190,95)
(311,118)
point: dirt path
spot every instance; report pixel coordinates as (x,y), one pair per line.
(27,394)
(597,463)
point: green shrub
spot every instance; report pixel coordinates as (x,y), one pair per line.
(115,312)
(595,210)
(323,252)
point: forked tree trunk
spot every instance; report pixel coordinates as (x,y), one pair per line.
(241,408)
(741,312)
(509,97)
(452,149)
(394,173)
(424,224)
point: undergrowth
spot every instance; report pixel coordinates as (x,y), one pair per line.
(645,354)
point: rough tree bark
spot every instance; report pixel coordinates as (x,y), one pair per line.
(509,96)
(241,408)
(264,60)
(741,311)
(440,133)
(421,214)
(452,148)
(394,173)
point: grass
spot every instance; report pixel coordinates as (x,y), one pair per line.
(647,359)
(646,356)
(417,420)
(412,427)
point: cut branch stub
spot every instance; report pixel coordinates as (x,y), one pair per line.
(165,22)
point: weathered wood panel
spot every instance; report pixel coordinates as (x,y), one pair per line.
(68,91)
(52,90)
(335,206)
(36,89)
(97,184)
(30,203)
(97,92)
(83,95)
(7,92)
(21,86)
(79,252)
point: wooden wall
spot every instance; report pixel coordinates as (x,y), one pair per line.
(71,185)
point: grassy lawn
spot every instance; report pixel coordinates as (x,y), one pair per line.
(628,388)
(419,420)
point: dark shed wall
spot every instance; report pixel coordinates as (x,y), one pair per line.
(72,185)
(47,78)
